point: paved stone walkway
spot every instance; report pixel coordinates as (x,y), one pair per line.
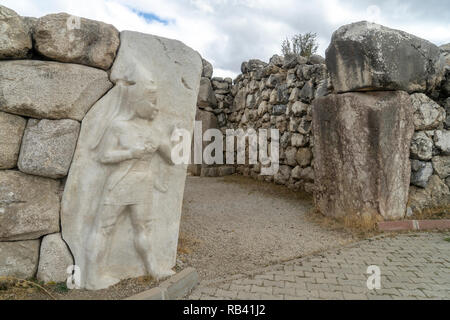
(413,266)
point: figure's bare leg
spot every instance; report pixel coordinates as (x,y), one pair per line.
(143,224)
(99,238)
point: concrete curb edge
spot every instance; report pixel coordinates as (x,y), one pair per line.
(173,288)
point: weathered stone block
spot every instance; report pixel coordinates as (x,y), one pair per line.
(299,140)
(304,157)
(206,97)
(361,153)
(208,120)
(252,65)
(15,38)
(428,114)
(19,259)
(290,156)
(364,56)
(29,206)
(421,146)
(51,90)
(421,173)
(445,50)
(283,175)
(442,141)
(48,147)
(66,38)
(442,166)
(279,110)
(207,69)
(54,259)
(11,132)
(434,198)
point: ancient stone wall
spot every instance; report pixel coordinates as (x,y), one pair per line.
(52,73)
(274,95)
(279,95)
(61,84)
(380,121)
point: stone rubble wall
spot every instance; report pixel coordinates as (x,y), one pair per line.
(279,95)
(274,95)
(430,149)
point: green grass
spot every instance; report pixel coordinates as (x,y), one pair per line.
(447,239)
(61,287)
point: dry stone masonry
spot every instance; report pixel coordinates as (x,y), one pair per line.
(392,146)
(366,130)
(274,95)
(65,90)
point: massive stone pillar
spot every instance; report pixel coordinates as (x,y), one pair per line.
(361,153)
(362,134)
(122,202)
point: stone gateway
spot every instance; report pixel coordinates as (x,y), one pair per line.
(88,116)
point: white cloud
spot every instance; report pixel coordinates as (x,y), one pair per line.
(227,32)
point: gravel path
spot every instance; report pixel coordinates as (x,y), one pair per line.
(235,224)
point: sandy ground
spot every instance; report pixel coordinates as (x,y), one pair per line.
(235,224)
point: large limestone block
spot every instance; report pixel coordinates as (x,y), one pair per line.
(11,133)
(66,38)
(15,38)
(48,147)
(29,206)
(207,69)
(364,56)
(361,153)
(123,195)
(54,259)
(52,90)
(19,259)
(207,120)
(206,97)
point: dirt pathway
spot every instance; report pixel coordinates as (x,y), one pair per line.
(235,224)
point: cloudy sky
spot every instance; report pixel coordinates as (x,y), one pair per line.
(227,32)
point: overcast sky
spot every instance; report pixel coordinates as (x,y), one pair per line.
(227,32)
